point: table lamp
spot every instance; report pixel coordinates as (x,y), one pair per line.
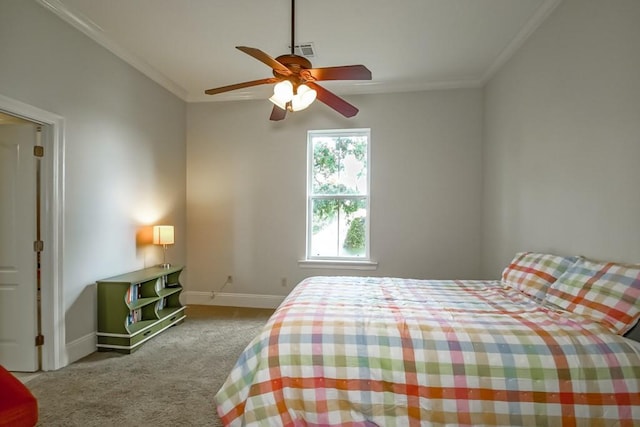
(163,235)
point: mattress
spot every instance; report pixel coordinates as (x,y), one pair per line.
(366,351)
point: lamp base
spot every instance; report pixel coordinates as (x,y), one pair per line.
(165,265)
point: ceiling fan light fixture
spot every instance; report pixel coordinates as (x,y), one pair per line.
(278,103)
(282,94)
(283,90)
(296,80)
(303,98)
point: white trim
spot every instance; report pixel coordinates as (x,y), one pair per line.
(516,43)
(81,347)
(338,265)
(54,355)
(311,196)
(355,88)
(109,334)
(93,31)
(232,299)
(130,347)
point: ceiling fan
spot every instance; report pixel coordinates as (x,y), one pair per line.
(296,86)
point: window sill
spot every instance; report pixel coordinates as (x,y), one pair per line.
(337,264)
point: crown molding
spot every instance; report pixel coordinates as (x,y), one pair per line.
(527,30)
(364,88)
(93,31)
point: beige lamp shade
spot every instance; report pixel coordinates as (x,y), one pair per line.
(163,235)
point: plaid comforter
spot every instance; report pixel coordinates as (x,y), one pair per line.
(356,351)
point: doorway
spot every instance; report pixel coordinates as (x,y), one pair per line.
(21,322)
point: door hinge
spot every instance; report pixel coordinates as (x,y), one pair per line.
(38,151)
(39,340)
(38,246)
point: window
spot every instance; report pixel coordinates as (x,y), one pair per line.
(338,195)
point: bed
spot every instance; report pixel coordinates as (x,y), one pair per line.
(544,345)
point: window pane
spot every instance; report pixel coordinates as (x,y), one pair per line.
(339,227)
(339,165)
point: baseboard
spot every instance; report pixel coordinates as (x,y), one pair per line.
(232,299)
(83,346)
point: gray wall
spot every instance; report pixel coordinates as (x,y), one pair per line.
(562,139)
(125,151)
(246,189)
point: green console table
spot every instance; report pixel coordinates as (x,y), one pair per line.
(135,307)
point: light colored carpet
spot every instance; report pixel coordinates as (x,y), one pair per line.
(169,381)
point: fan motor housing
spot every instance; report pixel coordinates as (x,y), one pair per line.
(293,62)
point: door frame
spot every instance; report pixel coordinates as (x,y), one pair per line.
(54,355)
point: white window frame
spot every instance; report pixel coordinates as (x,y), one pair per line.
(310,260)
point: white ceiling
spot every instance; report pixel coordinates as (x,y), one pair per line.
(189,45)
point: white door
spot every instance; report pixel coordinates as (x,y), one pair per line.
(18,269)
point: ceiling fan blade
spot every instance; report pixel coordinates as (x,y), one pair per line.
(333,100)
(241,85)
(346,72)
(277,114)
(266,59)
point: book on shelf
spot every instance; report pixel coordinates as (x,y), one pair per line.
(133,293)
(134,316)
